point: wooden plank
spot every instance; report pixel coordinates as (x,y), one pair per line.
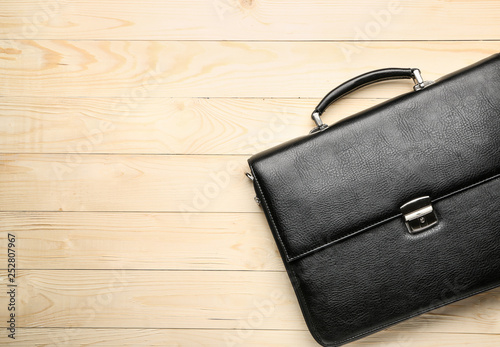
(137,70)
(169,337)
(241,338)
(152,299)
(208,241)
(252,20)
(89,182)
(159,125)
(198,300)
(146,107)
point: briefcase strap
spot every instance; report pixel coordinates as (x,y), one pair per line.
(361,81)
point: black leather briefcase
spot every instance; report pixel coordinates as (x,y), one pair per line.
(393,211)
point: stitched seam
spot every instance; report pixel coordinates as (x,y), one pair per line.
(382,326)
(444,303)
(297,283)
(390,218)
(466,187)
(316,334)
(264,204)
(346,236)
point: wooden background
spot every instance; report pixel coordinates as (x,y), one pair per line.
(125,129)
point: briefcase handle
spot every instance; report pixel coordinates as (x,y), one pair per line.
(361,81)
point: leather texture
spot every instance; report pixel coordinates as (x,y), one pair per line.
(332,201)
(361,81)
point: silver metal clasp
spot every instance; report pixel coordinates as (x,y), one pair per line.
(419,81)
(320,126)
(419,214)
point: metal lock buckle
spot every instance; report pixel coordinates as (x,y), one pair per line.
(419,214)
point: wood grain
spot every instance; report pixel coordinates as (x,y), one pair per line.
(152,299)
(88,182)
(252,20)
(137,70)
(166,337)
(159,125)
(139,117)
(226,337)
(199,300)
(205,241)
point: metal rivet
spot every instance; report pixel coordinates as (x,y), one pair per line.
(257,200)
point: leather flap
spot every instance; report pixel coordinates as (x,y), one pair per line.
(322,188)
